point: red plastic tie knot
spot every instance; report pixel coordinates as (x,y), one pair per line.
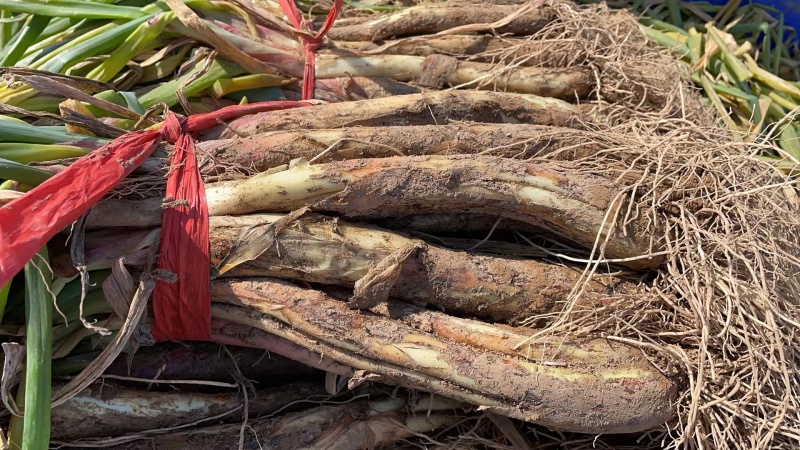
(172,128)
(311,42)
(182,309)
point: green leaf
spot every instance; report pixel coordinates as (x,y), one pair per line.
(6,30)
(4,299)
(17,132)
(789,141)
(47,49)
(99,44)
(132,102)
(132,46)
(71,9)
(24,39)
(167,92)
(28,153)
(9,170)
(38,343)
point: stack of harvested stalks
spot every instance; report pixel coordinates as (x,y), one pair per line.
(616,267)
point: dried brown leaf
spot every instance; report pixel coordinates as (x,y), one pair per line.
(374,287)
(255,240)
(13,359)
(190,19)
(51,87)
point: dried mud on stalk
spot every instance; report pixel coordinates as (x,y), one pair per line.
(601,399)
(105,410)
(318,249)
(265,151)
(353,88)
(484,49)
(430,108)
(432,18)
(561,198)
(439,71)
(231,333)
(330,251)
(350,426)
(570,203)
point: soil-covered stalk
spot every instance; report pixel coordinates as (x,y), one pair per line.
(353,88)
(449,224)
(433,18)
(320,250)
(438,71)
(205,361)
(477,48)
(559,198)
(505,340)
(430,108)
(232,333)
(349,426)
(630,397)
(267,150)
(115,411)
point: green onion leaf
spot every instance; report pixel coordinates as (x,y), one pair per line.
(26,38)
(38,343)
(71,8)
(9,170)
(28,153)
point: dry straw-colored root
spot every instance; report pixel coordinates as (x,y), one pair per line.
(724,307)
(604,398)
(350,426)
(431,108)
(265,151)
(636,79)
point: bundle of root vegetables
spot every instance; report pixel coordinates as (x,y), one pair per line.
(506,226)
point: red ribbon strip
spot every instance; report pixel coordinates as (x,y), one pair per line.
(311,43)
(181,308)
(27,223)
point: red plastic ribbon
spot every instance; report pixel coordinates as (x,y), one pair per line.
(182,308)
(311,43)
(27,223)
